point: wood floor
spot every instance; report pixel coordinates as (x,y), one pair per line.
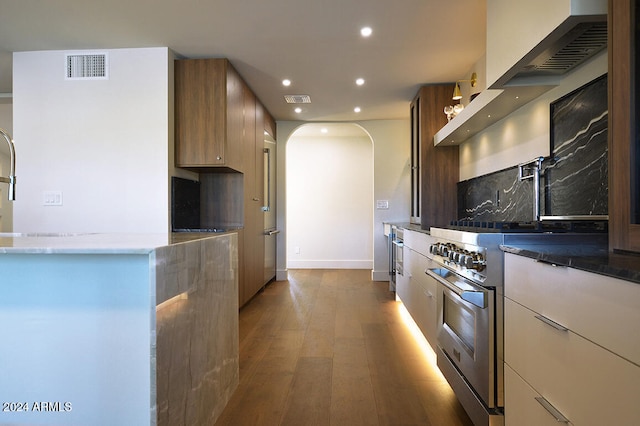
(328,347)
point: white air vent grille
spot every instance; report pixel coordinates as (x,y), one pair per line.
(87,66)
(297,99)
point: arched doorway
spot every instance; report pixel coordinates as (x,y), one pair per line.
(330,192)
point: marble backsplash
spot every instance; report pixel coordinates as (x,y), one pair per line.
(573,180)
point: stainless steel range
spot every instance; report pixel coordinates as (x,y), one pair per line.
(470,342)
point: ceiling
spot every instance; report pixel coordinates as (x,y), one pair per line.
(315,44)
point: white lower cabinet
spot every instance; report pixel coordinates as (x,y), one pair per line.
(557,367)
(522,402)
(416,289)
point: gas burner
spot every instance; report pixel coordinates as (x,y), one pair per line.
(551,226)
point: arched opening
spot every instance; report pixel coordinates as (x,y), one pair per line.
(330,192)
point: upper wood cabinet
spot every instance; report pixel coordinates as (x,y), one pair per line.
(209,114)
(624,146)
(437,167)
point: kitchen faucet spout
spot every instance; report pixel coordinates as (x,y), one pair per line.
(11,179)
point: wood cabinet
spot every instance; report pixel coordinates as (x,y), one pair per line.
(435,170)
(209,114)
(569,343)
(220,125)
(624,144)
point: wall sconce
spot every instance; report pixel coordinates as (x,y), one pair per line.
(457,95)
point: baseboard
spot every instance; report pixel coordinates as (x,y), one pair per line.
(380,275)
(282,275)
(330,264)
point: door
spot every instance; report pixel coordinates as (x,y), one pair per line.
(269,208)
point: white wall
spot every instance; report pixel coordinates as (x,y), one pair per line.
(524,134)
(329,200)
(6,206)
(390,182)
(105,144)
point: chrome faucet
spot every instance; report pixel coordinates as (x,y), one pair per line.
(11,179)
(531,170)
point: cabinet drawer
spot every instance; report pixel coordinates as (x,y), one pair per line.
(418,241)
(418,294)
(602,309)
(521,406)
(576,376)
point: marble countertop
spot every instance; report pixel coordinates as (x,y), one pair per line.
(594,258)
(94,243)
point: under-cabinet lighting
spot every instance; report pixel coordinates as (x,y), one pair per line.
(171,301)
(286,82)
(357,109)
(419,338)
(324,130)
(366,31)
(360,81)
(298,110)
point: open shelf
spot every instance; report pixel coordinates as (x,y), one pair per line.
(487,108)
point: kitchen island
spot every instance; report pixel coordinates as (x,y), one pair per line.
(107,329)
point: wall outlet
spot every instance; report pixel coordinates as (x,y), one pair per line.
(297,250)
(52,198)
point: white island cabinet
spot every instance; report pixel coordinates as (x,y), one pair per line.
(572,347)
(101,329)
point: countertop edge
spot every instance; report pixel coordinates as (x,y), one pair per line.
(621,266)
(100,243)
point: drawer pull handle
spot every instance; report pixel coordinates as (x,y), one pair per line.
(551,323)
(552,410)
(547,262)
(428,294)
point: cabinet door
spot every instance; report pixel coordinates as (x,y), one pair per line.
(602,309)
(624,143)
(521,406)
(425,289)
(573,374)
(200,112)
(439,166)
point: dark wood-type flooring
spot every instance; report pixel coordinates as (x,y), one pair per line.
(328,347)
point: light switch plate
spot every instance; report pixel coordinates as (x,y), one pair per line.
(52,198)
(382,204)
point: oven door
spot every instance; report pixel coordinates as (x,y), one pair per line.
(466,332)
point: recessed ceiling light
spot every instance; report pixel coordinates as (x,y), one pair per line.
(357,109)
(366,31)
(298,110)
(286,82)
(360,81)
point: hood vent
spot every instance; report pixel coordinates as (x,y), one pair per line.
(557,54)
(575,47)
(87,66)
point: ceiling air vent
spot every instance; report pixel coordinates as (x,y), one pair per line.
(92,66)
(297,99)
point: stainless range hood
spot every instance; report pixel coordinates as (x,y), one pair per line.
(572,43)
(535,43)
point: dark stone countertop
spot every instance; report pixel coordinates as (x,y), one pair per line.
(594,258)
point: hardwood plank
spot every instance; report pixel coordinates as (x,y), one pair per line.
(352,399)
(328,347)
(310,395)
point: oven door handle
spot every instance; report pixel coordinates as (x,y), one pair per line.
(398,243)
(473,294)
